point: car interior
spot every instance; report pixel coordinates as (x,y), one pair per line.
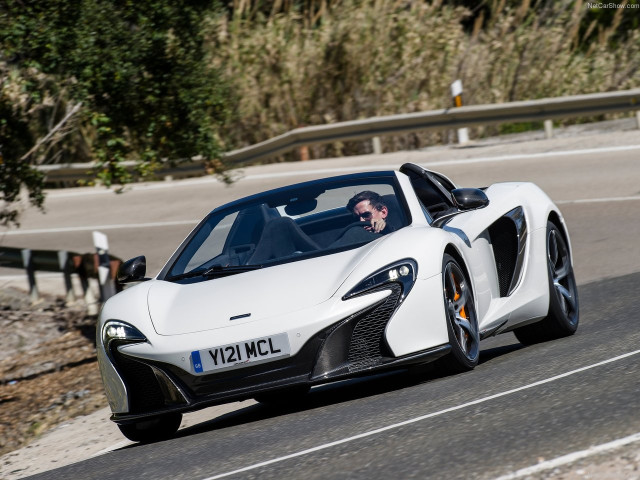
(299,223)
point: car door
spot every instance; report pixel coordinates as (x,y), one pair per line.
(468,231)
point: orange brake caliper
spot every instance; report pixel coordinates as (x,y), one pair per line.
(463,314)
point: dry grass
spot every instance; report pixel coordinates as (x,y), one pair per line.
(343,60)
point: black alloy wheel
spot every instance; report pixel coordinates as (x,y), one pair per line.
(564,311)
(462,322)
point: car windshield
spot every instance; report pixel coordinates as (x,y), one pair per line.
(291,223)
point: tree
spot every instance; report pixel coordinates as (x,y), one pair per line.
(134,71)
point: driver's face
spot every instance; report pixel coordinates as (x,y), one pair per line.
(366,212)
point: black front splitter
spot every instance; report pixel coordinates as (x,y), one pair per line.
(238,395)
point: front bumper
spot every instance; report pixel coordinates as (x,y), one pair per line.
(351,347)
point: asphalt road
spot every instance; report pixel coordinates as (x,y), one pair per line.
(519,406)
(594,179)
(481,424)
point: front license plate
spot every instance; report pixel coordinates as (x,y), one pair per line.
(236,355)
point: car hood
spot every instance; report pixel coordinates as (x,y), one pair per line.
(251,296)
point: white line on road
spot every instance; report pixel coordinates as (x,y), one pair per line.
(194,222)
(599,200)
(368,166)
(571,457)
(527,156)
(422,417)
(100,227)
(443,163)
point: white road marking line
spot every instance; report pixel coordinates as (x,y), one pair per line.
(443,163)
(194,222)
(571,457)
(99,190)
(369,166)
(100,227)
(526,156)
(422,417)
(599,200)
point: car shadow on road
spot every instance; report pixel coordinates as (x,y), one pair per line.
(491,353)
(319,397)
(339,392)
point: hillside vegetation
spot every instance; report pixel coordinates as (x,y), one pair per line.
(344,60)
(163,81)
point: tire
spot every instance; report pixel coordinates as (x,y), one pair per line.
(564,309)
(461,318)
(153,429)
(284,397)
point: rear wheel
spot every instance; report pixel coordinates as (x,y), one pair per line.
(563,317)
(152,429)
(462,323)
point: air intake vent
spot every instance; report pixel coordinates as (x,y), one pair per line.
(505,250)
(142,387)
(367,346)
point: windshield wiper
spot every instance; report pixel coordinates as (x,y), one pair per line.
(215,271)
(180,276)
(220,271)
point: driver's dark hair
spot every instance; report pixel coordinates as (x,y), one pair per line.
(374,199)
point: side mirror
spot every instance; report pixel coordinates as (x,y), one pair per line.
(133,270)
(466,199)
(469,198)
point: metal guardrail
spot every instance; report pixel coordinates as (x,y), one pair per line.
(513,112)
(72,172)
(84,265)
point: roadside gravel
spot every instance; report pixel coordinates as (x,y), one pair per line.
(48,369)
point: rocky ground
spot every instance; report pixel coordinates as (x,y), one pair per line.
(48,368)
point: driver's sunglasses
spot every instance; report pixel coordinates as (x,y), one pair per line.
(364,215)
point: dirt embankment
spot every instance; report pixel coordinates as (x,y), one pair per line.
(48,368)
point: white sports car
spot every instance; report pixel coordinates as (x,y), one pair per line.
(329,279)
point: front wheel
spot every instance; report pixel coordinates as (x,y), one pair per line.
(462,323)
(564,314)
(152,429)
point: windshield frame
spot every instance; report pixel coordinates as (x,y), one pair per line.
(330,182)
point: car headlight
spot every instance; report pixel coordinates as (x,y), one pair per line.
(402,272)
(115,330)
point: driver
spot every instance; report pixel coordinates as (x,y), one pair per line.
(369,207)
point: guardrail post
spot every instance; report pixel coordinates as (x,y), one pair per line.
(377,145)
(107,287)
(548,129)
(27,261)
(65,266)
(81,269)
(304,153)
(456,93)
(86,269)
(638,118)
